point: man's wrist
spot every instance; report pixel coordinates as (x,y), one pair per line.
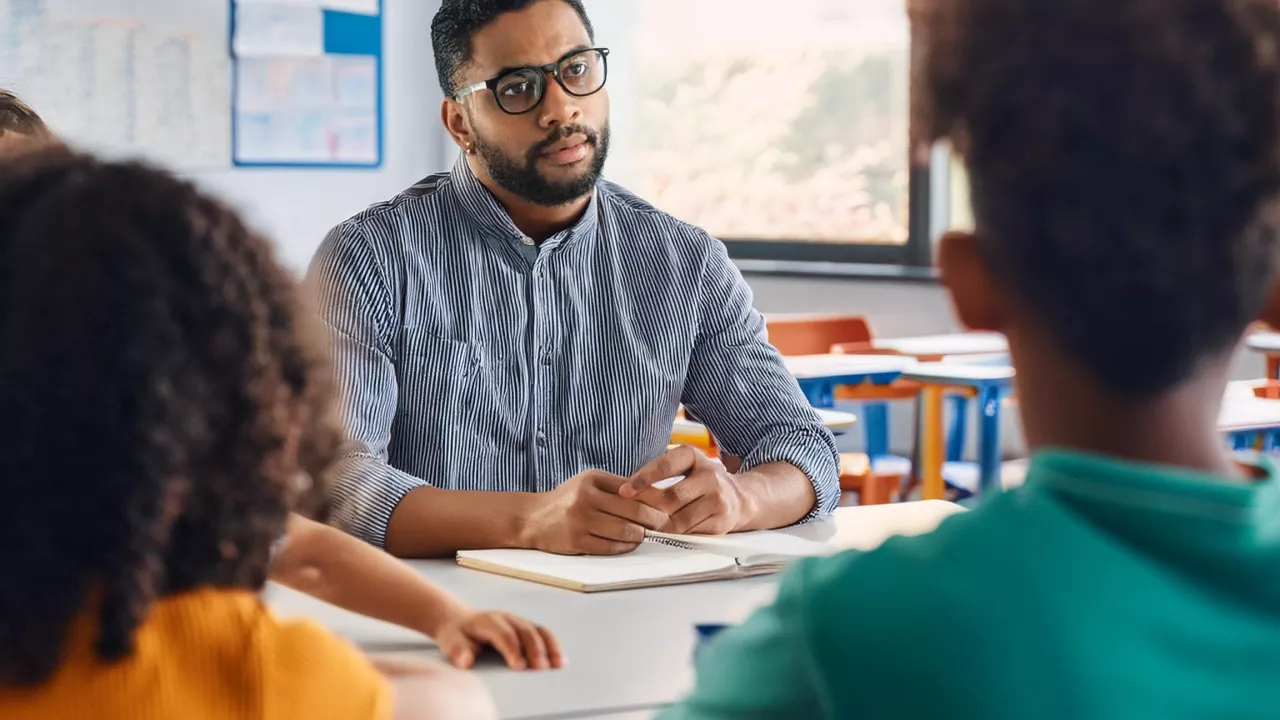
(747,486)
(524,520)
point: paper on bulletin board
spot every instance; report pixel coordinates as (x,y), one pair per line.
(362,7)
(278,30)
(320,110)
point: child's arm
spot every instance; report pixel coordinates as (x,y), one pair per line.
(344,571)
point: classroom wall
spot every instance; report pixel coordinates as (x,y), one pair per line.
(297,207)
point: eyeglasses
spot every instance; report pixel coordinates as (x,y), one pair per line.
(517,92)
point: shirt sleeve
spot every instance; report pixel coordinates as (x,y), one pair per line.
(311,672)
(738,386)
(762,669)
(354,300)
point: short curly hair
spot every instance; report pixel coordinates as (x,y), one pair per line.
(1124,158)
(18,118)
(458,21)
(163,401)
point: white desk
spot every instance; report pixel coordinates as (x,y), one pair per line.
(838,423)
(1264,341)
(629,652)
(835,367)
(936,346)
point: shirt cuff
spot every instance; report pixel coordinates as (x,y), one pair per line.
(365,493)
(813,451)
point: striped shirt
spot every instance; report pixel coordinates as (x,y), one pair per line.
(470,358)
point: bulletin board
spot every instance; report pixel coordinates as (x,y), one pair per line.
(307,83)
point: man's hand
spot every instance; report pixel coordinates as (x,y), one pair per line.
(586,516)
(707,501)
(522,644)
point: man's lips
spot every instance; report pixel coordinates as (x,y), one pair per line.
(568,151)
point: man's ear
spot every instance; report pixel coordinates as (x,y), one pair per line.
(977,299)
(455,122)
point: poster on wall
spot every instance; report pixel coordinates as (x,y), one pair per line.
(307,83)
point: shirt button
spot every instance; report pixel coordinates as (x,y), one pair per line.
(545,358)
(527,240)
(541,438)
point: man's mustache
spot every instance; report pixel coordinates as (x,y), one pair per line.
(564,131)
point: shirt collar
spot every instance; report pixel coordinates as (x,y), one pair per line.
(494,220)
(1229,509)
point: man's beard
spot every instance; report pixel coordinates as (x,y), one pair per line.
(523,179)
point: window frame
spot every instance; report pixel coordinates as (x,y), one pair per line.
(926,203)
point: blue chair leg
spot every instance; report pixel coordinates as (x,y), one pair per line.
(989,440)
(876,417)
(959,423)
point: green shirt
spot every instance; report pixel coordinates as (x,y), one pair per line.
(1101,589)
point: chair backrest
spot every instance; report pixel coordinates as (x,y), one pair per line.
(815,334)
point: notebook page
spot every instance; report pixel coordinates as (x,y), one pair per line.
(650,561)
(753,547)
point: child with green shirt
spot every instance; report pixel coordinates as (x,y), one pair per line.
(1124,158)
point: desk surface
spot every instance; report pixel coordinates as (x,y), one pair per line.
(817,367)
(837,422)
(629,652)
(1264,342)
(1241,411)
(974,343)
(959,374)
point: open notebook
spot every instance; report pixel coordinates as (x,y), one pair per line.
(661,559)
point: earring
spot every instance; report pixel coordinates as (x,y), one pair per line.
(470,150)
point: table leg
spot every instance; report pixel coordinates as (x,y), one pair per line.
(876,416)
(931,443)
(989,442)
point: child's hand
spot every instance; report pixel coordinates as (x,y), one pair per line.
(521,643)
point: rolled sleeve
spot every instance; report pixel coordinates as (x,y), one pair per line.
(348,281)
(739,387)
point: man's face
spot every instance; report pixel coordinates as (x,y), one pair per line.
(555,153)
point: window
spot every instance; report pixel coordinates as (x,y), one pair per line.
(781,128)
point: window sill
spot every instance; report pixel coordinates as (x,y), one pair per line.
(833,270)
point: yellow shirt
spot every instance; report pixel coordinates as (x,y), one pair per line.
(209,654)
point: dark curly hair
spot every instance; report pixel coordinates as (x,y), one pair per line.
(457,22)
(163,404)
(1124,157)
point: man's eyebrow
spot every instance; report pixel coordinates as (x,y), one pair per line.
(512,68)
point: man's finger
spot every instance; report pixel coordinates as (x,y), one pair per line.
(675,463)
(688,518)
(675,498)
(608,482)
(592,545)
(637,512)
(612,527)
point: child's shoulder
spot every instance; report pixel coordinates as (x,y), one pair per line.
(959,576)
(308,672)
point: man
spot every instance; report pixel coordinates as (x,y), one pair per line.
(1125,161)
(514,337)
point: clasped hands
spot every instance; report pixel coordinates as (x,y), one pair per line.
(597,513)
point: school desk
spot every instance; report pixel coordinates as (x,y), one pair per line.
(690,432)
(1267,343)
(1249,422)
(935,347)
(992,384)
(629,652)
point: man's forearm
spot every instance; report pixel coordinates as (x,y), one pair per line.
(778,494)
(430,522)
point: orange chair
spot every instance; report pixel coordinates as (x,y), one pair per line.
(816,335)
